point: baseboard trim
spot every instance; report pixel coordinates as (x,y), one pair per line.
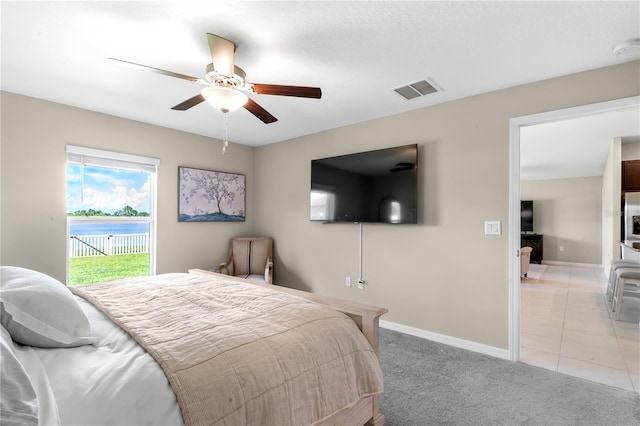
(580,265)
(447,340)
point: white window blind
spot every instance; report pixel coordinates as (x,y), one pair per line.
(96,157)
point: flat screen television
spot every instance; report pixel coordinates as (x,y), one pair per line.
(526,216)
(379,186)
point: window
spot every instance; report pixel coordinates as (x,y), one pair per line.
(396,214)
(110,215)
(322,205)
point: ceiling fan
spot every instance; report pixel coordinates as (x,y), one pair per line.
(226,83)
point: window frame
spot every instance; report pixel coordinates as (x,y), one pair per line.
(329,206)
(116,160)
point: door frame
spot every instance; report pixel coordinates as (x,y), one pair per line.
(515,124)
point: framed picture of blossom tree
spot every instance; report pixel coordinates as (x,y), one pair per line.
(210,196)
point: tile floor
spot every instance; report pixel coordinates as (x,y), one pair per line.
(566,326)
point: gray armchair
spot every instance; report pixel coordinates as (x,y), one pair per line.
(250,258)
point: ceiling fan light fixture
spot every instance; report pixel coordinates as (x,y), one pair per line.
(224,98)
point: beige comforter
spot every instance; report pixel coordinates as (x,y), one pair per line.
(236,353)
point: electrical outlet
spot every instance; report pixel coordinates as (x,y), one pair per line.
(561,248)
(347,282)
(361,284)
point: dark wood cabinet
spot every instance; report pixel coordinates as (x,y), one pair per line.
(535,242)
(631,175)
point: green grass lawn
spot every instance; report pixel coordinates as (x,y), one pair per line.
(95,269)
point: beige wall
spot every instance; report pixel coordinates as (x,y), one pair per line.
(611,193)
(631,151)
(442,275)
(33,211)
(568,212)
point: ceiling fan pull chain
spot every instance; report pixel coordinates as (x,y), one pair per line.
(226,142)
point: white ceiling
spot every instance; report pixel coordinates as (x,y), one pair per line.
(574,148)
(357,52)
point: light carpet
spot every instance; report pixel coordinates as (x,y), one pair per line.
(428,383)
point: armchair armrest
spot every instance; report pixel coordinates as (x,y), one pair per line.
(222,269)
(268,272)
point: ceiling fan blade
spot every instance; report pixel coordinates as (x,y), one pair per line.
(259,112)
(191,102)
(298,91)
(221,54)
(152,69)
(400,169)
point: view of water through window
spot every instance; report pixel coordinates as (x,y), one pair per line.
(109,218)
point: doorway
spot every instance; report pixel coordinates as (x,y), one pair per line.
(515,126)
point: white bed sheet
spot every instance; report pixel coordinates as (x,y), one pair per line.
(47,407)
(115,382)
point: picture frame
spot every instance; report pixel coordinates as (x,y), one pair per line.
(210,196)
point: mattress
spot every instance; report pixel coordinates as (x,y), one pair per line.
(180,349)
(238,353)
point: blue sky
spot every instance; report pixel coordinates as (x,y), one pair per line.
(107,189)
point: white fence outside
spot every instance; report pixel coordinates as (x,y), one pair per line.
(107,245)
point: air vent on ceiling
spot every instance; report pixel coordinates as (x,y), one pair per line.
(417,89)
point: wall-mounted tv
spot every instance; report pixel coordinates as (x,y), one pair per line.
(379,186)
(526,216)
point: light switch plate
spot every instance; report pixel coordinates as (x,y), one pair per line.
(492,227)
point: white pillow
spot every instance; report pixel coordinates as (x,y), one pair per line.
(39,310)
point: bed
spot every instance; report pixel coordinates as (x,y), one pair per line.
(199,348)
